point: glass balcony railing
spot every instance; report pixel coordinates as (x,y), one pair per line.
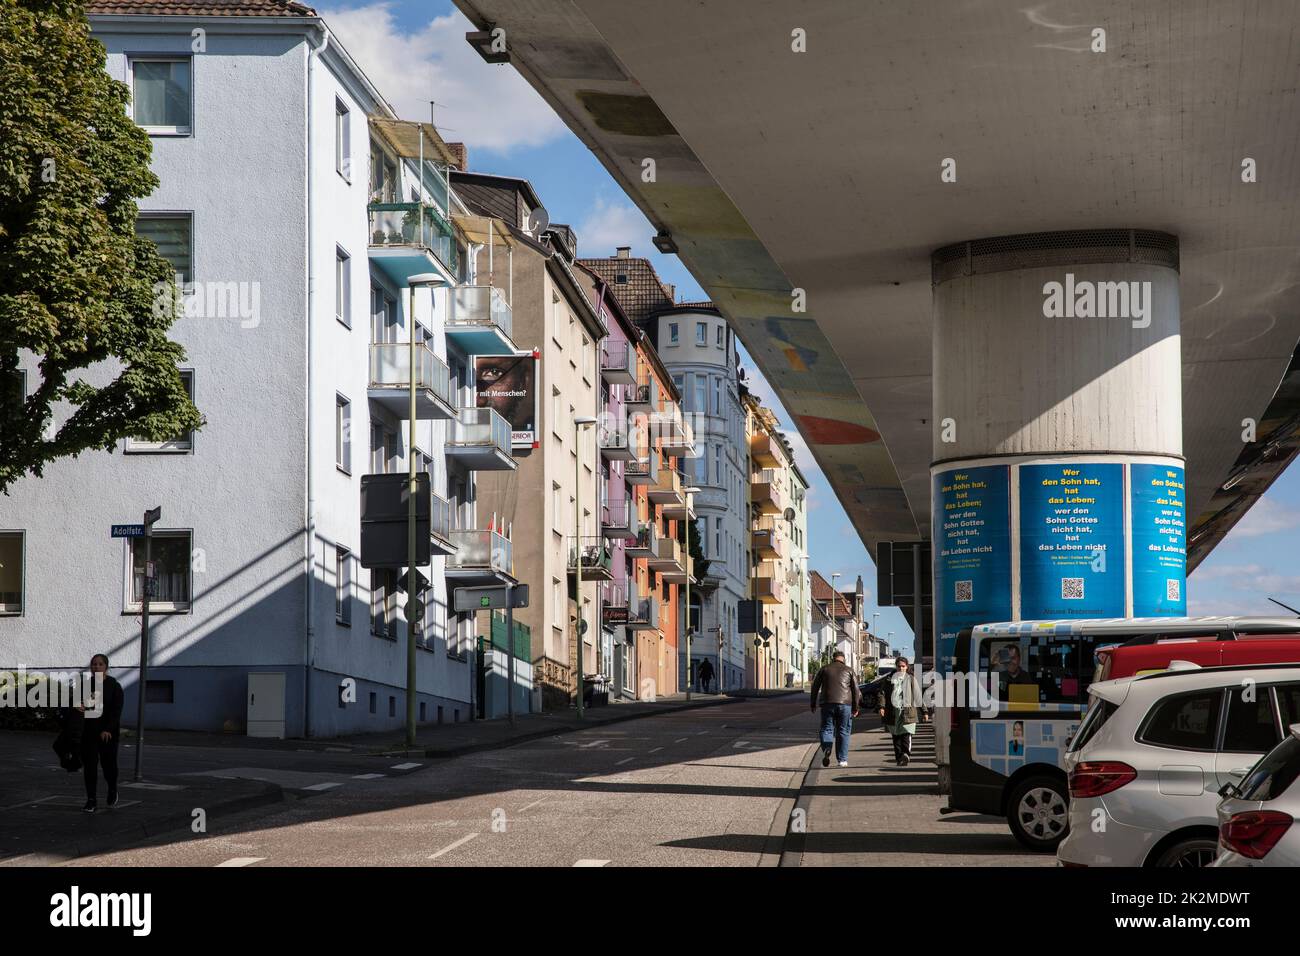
(483,427)
(412,225)
(390,364)
(440,518)
(481,550)
(618,361)
(476,307)
(597,558)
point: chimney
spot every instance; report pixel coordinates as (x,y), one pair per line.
(461,155)
(623,252)
(671,289)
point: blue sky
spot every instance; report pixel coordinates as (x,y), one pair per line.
(414,51)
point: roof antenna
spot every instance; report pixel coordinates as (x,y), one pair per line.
(1287,606)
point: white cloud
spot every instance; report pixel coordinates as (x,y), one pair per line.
(1265,517)
(487,106)
(611,224)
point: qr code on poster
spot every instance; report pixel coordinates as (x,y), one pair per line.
(963,591)
(1173,589)
(1072,589)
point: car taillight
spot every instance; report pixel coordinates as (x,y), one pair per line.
(1092,778)
(1254,833)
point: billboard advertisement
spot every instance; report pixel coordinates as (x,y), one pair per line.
(508,384)
(1159,512)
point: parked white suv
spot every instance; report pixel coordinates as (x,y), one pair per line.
(1152,752)
(1257,817)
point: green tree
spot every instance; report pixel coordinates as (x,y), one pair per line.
(78,288)
(694,547)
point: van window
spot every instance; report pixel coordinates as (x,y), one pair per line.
(1185,721)
(1250,728)
(1039,668)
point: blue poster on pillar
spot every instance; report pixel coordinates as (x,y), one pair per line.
(972,553)
(1071,541)
(1159,512)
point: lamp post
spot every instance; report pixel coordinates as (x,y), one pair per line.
(413,615)
(690,568)
(578,425)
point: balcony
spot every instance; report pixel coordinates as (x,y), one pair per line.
(644,399)
(440,526)
(619,520)
(668,489)
(618,362)
(676,437)
(683,510)
(643,469)
(645,544)
(766,450)
(669,557)
(479,320)
(408,238)
(769,584)
(390,377)
(597,558)
(481,558)
(616,441)
(765,491)
(768,537)
(627,607)
(480,440)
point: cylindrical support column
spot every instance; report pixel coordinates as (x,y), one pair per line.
(1057,475)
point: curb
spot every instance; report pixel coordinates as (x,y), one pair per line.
(796,842)
(780,836)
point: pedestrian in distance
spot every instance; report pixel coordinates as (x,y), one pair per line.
(706,675)
(836,689)
(99,735)
(900,700)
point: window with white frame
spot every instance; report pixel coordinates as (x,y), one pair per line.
(342,286)
(170,556)
(181,443)
(173,234)
(383,602)
(343,586)
(701,333)
(11,572)
(719,327)
(162,101)
(342,140)
(343,434)
(672,333)
(377,452)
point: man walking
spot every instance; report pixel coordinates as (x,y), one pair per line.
(706,675)
(836,686)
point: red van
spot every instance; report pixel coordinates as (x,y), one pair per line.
(1241,642)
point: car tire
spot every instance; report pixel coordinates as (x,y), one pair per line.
(1191,853)
(1038,813)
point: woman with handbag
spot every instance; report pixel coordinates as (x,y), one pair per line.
(900,700)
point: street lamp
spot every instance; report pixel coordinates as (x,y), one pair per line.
(578,425)
(690,568)
(413,615)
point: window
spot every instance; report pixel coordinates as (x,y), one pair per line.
(701,333)
(383,317)
(1250,727)
(557,602)
(343,586)
(392,452)
(556,315)
(170,556)
(1185,721)
(376,449)
(717,464)
(161,100)
(342,141)
(173,234)
(383,176)
(719,337)
(182,443)
(586,359)
(701,403)
(557,514)
(717,396)
(383,602)
(343,434)
(11,572)
(342,287)
(672,333)
(557,414)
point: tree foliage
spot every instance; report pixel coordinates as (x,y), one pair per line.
(77,286)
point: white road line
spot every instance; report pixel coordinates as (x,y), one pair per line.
(243,861)
(624,760)
(656,750)
(679,740)
(323,786)
(592,863)
(369,776)
(447,849)
(405,766)
(594,743)
(531,805)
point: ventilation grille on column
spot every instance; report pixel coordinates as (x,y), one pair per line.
(1005,253)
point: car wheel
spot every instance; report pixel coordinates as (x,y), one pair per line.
(1039,813)
(1190,854)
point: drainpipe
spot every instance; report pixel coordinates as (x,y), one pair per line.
(309,663)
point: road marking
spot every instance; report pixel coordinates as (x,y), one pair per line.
(447,849)
(323,786)
(624,760)
(594,743)
(679,740)
(533,804)
(243,861)
(405,766)
(369,776)
(155,786)
(656,750)
(592,863)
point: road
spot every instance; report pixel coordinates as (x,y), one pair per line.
(707,787)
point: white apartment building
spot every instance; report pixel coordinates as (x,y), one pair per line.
(310,221)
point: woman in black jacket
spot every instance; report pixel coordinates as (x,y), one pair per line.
(100,734)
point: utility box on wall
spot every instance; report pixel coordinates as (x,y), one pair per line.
(266,704)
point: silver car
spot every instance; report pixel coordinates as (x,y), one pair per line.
(1152,753)
(1257,816)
